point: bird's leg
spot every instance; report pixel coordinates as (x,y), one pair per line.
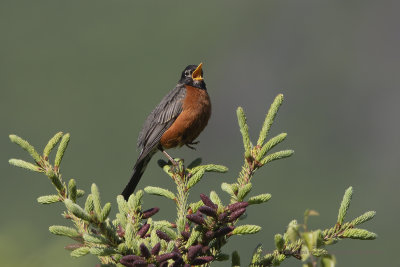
(190,145)
(170,158)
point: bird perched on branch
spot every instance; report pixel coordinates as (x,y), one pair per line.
(178,120)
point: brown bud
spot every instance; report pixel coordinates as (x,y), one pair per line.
(236,206)
(150,212)
(163,235)
(143,230)
(195,218)
(185,235)
(193,251)
(129,260)
(165,257)
(208,211)
(144,251)
(156,249)
(222,216)
(236,214)
(207,201)
(190,211)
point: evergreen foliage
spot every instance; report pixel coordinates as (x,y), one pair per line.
(197,235)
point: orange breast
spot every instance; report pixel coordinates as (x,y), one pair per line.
(196,112)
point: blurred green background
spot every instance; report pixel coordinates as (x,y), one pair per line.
(97,68)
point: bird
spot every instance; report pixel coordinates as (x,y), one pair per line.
(178,120)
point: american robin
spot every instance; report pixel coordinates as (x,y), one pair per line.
(178,120)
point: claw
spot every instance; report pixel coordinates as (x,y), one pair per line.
(190,145)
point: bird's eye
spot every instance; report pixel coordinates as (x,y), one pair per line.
(187,73)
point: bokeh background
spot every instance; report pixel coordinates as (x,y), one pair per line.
(97,68)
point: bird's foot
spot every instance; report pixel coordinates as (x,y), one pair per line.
(174,162)
(190,145)
(176,165)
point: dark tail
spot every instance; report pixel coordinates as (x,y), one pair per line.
(138,171)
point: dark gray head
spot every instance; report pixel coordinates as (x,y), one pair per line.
(192,75)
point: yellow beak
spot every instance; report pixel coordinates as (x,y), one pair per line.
(196,75)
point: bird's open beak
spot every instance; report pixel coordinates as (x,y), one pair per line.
(196,75)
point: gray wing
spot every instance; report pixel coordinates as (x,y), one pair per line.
(160,119)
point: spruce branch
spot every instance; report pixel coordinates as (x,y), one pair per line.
(201,229)
(309,245)
(363,218)
(256,156)
(49,199)
(61,150)
(51,144)
(25,165)
(344,206)
(244,129)
(26,146)
(269,119)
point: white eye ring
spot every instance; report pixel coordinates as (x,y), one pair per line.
(187,73)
